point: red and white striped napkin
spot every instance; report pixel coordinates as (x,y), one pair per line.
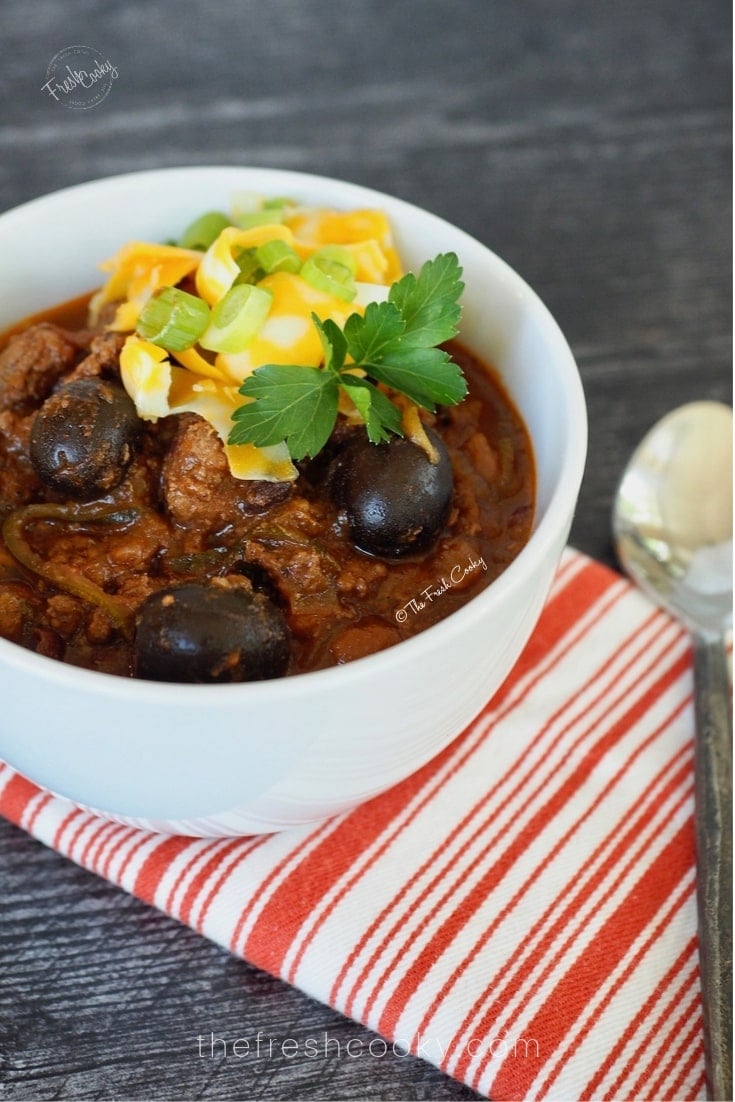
(521,911)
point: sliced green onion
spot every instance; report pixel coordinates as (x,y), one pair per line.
(250,269)
(270,216)
(278,256)
(252,202)
(173,319)
(338,253)
(237,318)
(330,276)
(279,202)
(204,230)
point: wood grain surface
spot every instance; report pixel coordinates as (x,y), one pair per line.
(590,146)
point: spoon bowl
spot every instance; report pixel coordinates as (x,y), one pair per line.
(673,515)
(672,524)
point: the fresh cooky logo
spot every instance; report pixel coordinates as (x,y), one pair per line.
(456,576)
(79,77)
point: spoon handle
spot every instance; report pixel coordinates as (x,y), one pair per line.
(713,781)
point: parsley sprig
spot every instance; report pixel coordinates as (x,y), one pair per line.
(394,343)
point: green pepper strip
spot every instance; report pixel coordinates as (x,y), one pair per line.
(271,535)
(198,561)
(62,576)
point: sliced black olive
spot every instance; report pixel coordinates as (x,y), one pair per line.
(208,633)
(395,500)
(82,438)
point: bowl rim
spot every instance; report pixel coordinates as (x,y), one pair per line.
(541,542)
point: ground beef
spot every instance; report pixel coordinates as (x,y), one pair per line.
(197,486)
(32,362)
(19,608)
(65,614)
(18,481)
(103,357)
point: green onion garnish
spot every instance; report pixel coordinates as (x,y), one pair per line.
(339,254)
(278,256)
(329,275)
(269,216)
(173,319)
(204,230)
(237,318)
(247,262)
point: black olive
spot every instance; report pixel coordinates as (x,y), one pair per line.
(208,633)
(395,500)
(82,437)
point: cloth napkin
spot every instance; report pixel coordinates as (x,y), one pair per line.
(520,911)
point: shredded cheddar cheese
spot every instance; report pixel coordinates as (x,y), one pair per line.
(288,335)
(139,269)
(163,383)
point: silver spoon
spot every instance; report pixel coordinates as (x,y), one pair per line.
(673,532)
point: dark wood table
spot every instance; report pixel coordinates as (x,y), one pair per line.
(587,144)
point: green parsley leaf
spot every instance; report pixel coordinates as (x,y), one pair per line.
(425,375)
(368,337)
(394,342)
(381,417)
(428,302)
(333,341)
(292,403)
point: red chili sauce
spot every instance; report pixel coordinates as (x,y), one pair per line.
(177,517)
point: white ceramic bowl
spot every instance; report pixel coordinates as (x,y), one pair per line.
(238,759)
